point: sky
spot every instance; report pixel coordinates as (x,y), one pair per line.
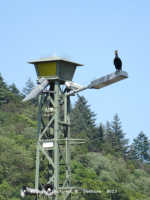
(87,32)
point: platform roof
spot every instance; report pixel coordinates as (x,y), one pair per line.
(54,59)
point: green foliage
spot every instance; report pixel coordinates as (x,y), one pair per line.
(81,172)
(5,188)
(101,133)
(2,198)
(86,178)
(82,118)
(4,116)
(3,90)
(130,166)
(23,118)
(115,141)
(11,97)
(14,89)
(29,133)
(103,164)
(30,112)
(116,170)
(93,186)
(141,146)
(132,154)
(97,142)
(15,161)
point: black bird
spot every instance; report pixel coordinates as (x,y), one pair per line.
(117,62)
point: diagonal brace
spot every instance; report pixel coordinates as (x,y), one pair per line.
(68,194)
(45,129)
(46,155)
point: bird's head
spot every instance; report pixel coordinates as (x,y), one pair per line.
(116,53)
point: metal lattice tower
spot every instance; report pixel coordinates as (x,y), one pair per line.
(53,139)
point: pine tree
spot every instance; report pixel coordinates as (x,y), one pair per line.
(28,87)
(82,118)
(14,89)
(3,90)
(101,133)
(98,141)
(132,154)
(141,145)
(116,128)
(109,138)
(115,136)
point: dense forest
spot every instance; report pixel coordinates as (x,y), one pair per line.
(106,163)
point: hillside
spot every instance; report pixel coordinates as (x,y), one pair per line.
(106,163)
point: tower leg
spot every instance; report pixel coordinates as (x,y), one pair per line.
(56,137)
(38,152)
